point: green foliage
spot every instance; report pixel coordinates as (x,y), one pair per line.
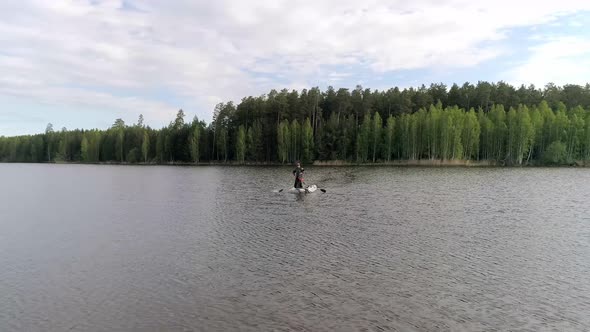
(389,138)
(295,140)
(160,146)
(222,144)
(194,142)
(433,130)
(133,155)
(241,145)
(307,143)
(471,135)
(331,139)
(555,154)
(256,142)
(376,135)
(84,149)
(283,140)
(485,121)
(145,146)
(179,121)
(119,145)
(365,136)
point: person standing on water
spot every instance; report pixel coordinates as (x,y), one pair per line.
(298,172)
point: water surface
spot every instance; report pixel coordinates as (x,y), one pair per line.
(130,248)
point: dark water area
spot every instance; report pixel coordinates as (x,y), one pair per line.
(132,248)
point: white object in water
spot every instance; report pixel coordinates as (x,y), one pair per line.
(306,190)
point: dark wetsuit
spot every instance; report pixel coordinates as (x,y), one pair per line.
(298,172)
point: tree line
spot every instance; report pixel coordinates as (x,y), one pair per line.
(487,121)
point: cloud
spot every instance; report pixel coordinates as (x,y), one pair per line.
(113,54)
(560,60)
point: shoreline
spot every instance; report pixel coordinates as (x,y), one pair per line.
(330,163)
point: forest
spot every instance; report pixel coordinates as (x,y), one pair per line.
(481,122)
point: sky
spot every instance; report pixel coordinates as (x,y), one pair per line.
(83,64)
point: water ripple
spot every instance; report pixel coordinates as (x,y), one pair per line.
(385,249)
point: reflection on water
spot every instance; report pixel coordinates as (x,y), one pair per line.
(95,248)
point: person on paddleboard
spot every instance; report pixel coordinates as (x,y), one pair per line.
(298,172)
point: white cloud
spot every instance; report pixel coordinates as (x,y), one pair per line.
(205,51)
(564,60)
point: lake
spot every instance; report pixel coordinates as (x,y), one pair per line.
(149,248)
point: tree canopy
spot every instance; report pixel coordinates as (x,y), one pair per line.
(485,121)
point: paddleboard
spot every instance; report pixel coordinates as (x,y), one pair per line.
(306,190)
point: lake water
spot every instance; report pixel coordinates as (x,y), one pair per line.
(131,248)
